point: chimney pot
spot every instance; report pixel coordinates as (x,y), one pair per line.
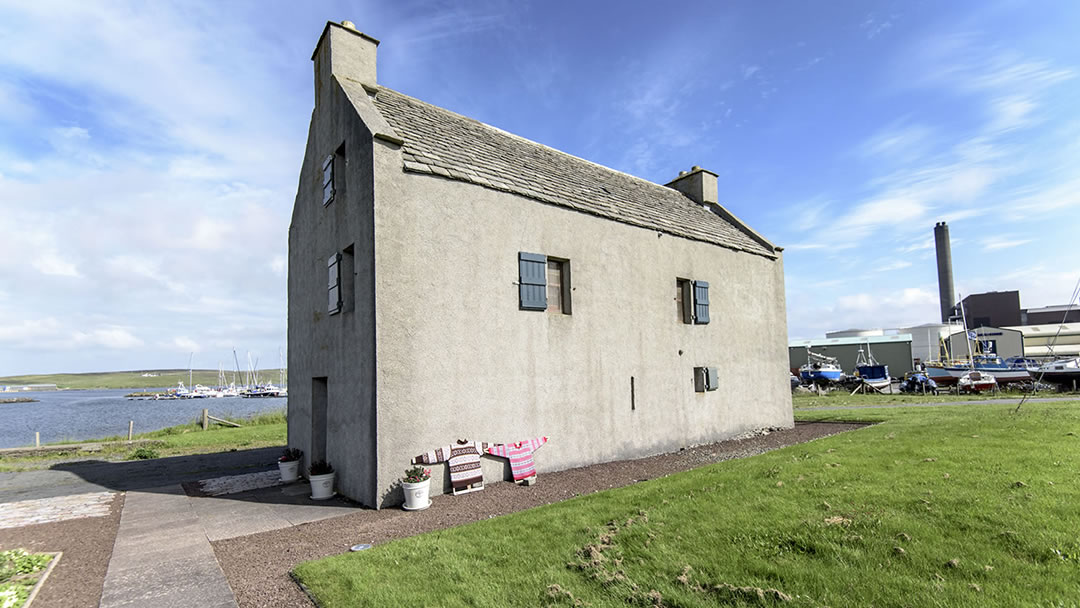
(695,168)
(349,24)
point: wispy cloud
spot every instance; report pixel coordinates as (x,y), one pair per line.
(997,242)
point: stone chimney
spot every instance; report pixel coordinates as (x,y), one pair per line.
(343,52)
(698,184)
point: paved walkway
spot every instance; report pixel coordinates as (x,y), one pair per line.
(163,556)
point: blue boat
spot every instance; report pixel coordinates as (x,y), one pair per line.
(870,372)
(820,369)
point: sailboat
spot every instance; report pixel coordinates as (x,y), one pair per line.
(820,369)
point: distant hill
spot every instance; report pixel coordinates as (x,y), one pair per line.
(135,379)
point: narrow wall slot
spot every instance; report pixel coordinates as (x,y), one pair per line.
(633,404)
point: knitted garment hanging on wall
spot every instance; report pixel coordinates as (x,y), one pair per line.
(464,460)
(520,455)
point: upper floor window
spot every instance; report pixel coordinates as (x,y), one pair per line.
(544,283)
(692,299)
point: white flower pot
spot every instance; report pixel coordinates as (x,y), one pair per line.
(322,486)
(290,471)
(417,495)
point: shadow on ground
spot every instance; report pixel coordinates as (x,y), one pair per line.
(158,474)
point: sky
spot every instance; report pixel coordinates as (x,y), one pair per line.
(149,152)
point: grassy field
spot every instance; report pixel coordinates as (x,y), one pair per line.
(936,506)
(264,430)
(843,398)
(132,379)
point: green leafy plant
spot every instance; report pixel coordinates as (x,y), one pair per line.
(144,454)
(291,455)
(320,467)
(416,475)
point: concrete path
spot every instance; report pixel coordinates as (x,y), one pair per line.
(939,404)
(162,556)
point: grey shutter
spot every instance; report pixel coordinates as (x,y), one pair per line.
(328,180)
(532,281)
(333,291)
(701,302)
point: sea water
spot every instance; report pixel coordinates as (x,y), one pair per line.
(94,414)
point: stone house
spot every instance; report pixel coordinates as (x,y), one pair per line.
(449,280)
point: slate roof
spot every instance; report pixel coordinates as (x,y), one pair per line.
(440,142)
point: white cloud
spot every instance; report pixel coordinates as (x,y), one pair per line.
(108,337)
(997,242)
(186,344)
(52,263)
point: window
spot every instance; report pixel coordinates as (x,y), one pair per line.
(692,300)
(333,292)
(543,283)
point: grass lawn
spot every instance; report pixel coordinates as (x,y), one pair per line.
(936,506)
(264,430)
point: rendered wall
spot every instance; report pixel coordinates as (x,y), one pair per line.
(338,347)
(457,359)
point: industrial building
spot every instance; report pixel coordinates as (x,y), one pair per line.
(1001,341)
(1038,339)
(893,350)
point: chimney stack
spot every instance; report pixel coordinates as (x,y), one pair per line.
(344,52)
(944,271)
(698,184)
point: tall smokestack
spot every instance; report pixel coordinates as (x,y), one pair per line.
(944,270)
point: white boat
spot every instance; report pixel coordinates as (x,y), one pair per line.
(1065,372)
(976,382)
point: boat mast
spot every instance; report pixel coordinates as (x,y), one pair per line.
(967,336)
(190,358)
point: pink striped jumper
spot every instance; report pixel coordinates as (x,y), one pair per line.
(520,455)
(464,459)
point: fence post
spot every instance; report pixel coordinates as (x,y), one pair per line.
(205,419)
(131,428)
(37,439)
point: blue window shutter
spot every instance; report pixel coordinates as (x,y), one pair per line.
(532,281)
(701,302)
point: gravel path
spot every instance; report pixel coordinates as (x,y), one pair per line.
(258,565)
(87,544)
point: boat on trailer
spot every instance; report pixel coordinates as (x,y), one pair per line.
(820,369)
(870,372)
(976,382)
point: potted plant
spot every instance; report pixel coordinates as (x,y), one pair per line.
(417,487)
(289,464)
(321,475)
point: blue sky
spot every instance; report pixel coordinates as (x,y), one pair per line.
(149,152)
